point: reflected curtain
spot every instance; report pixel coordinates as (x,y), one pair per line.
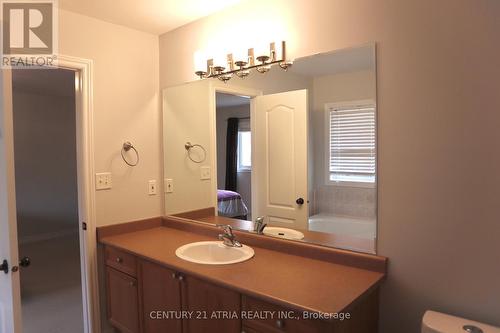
(231,154)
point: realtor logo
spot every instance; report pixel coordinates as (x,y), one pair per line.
(28,33)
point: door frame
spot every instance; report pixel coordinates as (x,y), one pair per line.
(83,69)
(216,87)
(10,250)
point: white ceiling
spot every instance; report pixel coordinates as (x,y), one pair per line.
(154,16)
(228,100)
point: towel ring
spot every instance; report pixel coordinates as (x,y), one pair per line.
(127,146)
(190,146)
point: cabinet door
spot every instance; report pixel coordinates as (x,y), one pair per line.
(123,307)
(211,307)
(161,299)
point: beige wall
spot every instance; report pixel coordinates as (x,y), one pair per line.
(438,69)
(186,115)
(126,107)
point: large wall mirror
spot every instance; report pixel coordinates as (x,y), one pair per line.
(296,149)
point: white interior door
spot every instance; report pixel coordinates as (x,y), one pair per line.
(279,162)
(10,297)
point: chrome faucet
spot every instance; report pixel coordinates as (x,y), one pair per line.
(259,225)
(228,238)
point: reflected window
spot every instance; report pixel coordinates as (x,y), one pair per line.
(351,148)
(244,151)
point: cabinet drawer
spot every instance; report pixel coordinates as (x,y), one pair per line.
(120,260)
(278,319)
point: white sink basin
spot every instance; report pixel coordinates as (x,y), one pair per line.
(283,233)
(214,253)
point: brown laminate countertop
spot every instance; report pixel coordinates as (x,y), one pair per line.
(296,282)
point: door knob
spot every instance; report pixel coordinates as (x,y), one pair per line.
(4,267)
(300,201)
(25,262)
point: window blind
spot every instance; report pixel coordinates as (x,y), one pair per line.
(352,144)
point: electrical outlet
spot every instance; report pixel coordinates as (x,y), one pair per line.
(152,187)
(103,181)
(169,185)
(205,172)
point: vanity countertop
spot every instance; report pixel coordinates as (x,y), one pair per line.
(294,281)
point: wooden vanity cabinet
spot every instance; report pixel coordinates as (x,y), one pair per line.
(146,297)
(143,296)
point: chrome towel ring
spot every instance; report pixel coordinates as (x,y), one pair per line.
(127,146)
(189,146)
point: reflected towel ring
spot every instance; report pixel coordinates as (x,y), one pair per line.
(127,146)
(189,146)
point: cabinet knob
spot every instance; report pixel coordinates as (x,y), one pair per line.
(280,323)
(119,260)
(177,276)
(132,283)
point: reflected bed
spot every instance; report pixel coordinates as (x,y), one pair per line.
(230,204)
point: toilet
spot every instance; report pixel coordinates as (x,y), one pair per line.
(436,322)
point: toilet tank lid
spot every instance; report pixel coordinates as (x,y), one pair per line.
(443,323)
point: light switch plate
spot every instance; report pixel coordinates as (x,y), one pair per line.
(103,181)
(152,187)
(205,172)
(169,185)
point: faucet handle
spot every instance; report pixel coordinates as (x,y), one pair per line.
(227,228)
(259,219)
(259,224)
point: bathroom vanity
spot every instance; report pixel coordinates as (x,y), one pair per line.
(281,289)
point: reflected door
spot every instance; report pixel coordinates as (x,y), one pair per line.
(279,183)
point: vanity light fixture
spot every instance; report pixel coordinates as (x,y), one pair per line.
(241,68)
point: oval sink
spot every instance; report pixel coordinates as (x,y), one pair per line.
(214,253)
(283,233)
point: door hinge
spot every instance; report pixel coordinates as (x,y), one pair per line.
(84,226)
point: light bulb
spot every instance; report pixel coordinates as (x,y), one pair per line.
(220,59)
(200,61)
(279,50)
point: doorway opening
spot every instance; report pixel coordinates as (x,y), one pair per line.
(47,200)
(234,156)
